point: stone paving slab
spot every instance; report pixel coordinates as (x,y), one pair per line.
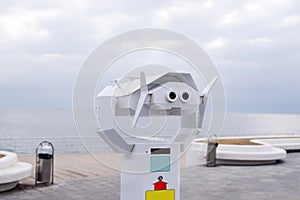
(269,182)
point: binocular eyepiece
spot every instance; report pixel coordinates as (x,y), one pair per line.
(172,96)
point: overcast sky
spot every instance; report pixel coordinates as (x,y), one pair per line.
(254,44)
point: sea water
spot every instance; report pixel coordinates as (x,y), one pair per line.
(22,130)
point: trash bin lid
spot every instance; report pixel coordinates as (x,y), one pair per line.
(45,156)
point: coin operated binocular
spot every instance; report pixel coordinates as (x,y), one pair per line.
(172,108)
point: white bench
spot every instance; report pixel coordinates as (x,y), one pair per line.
(12,171)
(267,151)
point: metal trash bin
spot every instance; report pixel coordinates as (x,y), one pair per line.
(44,163)
(211,156)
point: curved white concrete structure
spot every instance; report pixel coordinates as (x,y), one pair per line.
(8,160)
(236,154)
(12,171)
(249,154)
(263,151)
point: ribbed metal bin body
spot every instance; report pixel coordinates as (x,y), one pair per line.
(44,168)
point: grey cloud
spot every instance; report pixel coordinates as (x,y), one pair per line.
(259,60)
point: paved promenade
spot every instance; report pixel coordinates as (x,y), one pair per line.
(270,182)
